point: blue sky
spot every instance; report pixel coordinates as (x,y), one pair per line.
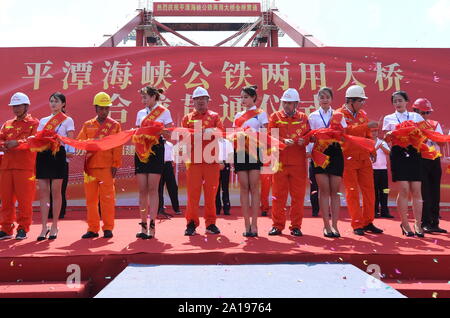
(383,23)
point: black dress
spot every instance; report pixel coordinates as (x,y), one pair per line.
(406,164)
(155,164)
(49,166)
(336,165)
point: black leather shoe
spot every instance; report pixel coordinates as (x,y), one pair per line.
(21,235)
(89,235)
(274,231)
(387,216)
(437,229)
(107,234)
(373,229)
(190,229)
(226,212)
(359,232)
(296,232)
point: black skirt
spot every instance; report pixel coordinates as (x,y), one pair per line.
(49,166)
(155,164)
(245,162)
(406,164)
(336,165)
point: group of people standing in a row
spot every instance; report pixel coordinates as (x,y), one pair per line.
(343,161)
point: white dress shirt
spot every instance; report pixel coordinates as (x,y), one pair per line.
(321,119)
(226,150)
(255,123)
(392,120)
(165,118)
(168,151)
(381,162)
(62,130)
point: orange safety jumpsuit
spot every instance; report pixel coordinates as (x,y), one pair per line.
(202,174)
(17,182)
(99,182)
(358,171)
(290,177)
(266,184)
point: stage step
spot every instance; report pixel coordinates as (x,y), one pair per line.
(421,288)
(43,290)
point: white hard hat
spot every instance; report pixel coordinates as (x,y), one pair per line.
(355,91)
(19,99)
(200,92)
(291,95)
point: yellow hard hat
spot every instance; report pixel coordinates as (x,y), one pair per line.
(102,99)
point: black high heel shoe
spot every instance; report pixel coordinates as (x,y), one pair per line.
(248,233)
(53,237)
(418,234)
(406,233)
(328,234)
(141,235)
(41,238)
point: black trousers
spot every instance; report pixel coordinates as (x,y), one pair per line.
(168,179)
(65,182)
(431,191)
(381,182)
(314,190)
(223,199)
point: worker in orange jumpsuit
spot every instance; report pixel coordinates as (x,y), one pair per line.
(290,177)
(203,169)
(100,169)
(358,171)
(17,182)
(266,184)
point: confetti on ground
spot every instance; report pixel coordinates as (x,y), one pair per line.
(108,277)
(340,194)
(397,271)
(386,191)
(435,260)
(299,281)
(219,239)
(12,263)
(365,262)
(344,277)
(435,295)
(52,288)
(341,259)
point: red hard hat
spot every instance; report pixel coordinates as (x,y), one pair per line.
(423,104)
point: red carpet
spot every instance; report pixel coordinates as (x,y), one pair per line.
(402,260)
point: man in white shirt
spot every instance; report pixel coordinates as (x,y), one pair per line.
(226,154)
(169,180)
(380,173)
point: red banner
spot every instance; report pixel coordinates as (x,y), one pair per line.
(236,9)
(80,73)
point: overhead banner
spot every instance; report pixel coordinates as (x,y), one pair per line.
(170,9)
(80,73)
